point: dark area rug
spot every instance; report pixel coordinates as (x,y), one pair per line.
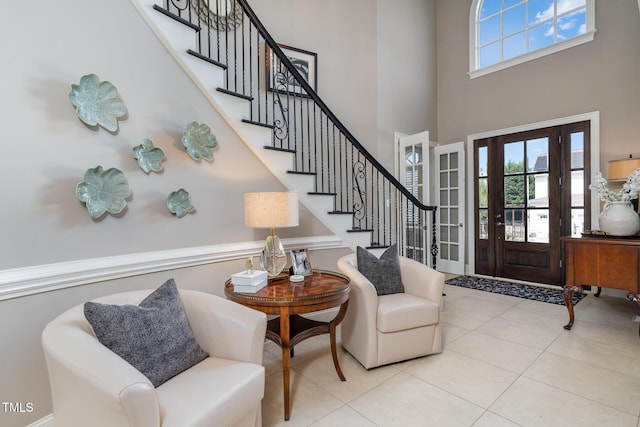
(536,293)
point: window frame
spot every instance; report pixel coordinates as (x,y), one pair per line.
(475,71)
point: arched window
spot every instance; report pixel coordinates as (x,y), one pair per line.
(504,33)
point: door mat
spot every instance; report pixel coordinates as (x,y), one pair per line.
(536,293)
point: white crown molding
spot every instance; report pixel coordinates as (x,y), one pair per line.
(24,281)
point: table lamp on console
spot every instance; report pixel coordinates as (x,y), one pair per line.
(620,170)
(271,210)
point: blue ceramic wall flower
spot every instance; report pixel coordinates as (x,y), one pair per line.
(149,157)
(199,141)
(97,103)
(179,203)
(103,191)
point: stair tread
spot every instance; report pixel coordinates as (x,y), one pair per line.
(360,230)
(321,193)
(232,93)
(253,122)
(285,150)
(302,172)
(176,17)
(340,212)
(206,58)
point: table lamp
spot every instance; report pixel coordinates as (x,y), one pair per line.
(271,210)
(619,170)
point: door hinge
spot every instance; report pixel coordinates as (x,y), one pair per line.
(560,263)
(560,222)
(560,181)
(559,139)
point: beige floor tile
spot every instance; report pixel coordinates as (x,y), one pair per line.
(544,309)
(616,356)
(553,321)
(609,311)
(321,371)
(482,306)
(450,333)
(495,351)
(489,419)
(525,333)
(606,386)
(309,402)
(606,334)
(493,348)
(468,320)
(404,400)
(346,417)
(470,379)
(530,403)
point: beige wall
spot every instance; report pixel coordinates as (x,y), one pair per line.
(406,71)
(376,62)
(597,76)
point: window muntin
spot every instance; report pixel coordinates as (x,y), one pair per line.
(509,32)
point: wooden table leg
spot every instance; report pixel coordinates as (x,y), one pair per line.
(332,337)
(284,337)
(634,298)
(567,293)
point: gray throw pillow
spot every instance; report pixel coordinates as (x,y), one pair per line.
(383,273)
(154,336)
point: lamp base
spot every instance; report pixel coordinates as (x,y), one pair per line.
(273,258)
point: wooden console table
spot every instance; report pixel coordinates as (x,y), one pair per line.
(605,262)
(319,291)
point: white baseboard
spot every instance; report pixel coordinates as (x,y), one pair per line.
(19,282)
(44,422)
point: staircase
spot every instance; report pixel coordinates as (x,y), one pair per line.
(258,91)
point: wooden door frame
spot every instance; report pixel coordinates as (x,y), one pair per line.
(593,118)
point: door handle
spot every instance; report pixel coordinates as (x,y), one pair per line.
(499,223)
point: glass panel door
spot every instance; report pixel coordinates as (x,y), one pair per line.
(449,183)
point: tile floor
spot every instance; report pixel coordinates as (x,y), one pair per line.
(506,362)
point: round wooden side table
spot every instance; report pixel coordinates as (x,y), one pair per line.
(319,291)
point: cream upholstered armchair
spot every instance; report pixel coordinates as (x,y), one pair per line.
(93,386)
(382,329)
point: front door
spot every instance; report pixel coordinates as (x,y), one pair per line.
(530,191)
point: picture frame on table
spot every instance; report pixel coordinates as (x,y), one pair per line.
(281,81)
(300,262)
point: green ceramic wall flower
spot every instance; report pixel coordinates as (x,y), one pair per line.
(149,157)
(179,203)
(97,103)
(199,141)
(103,191)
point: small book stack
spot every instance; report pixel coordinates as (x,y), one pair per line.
(249,282)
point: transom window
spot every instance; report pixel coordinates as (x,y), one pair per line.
(504,33)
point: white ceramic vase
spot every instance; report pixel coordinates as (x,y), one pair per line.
(619,219)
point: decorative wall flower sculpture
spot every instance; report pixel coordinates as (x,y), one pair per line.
(179,203)
(103,191)
(199,141)
(97,103)
(149,157)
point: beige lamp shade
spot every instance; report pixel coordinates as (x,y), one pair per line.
(619,170)
(271,209)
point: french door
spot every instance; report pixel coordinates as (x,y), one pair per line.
(530,189)
(450,195)
(412,170)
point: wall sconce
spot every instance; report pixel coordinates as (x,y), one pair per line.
(271,210)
